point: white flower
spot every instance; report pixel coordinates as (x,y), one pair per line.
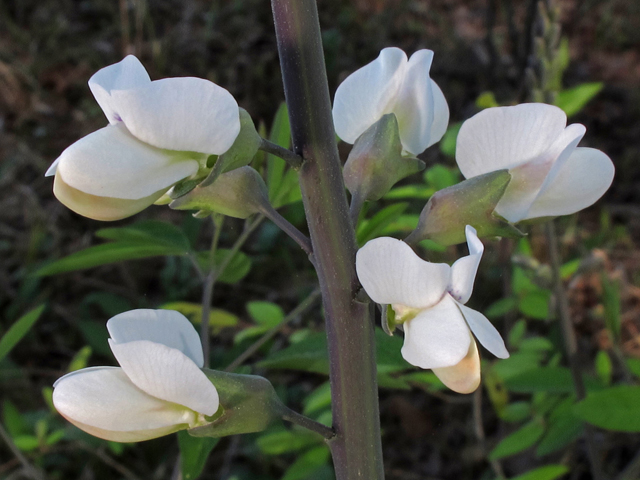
(159,133)
(393,84)
(429,299)
(550,176)
(159,389)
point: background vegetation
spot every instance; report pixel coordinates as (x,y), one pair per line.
(523,423)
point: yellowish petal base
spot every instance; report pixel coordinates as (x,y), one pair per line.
(464,377)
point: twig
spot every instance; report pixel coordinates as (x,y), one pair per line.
(571,346)
(107,460)
(479,430)
(253,348)
(304,421)
(207,291)
(292,159)
(31,470)
(355,207)
(296,235)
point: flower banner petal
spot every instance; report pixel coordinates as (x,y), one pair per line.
(167,327)
(128,73)
(104,402)
(464,377)
(368,93)
(582,180)
(112,163)
(485,332)
(504,137)
(436,337)
(391,273)
(166,373)
(186,114)
(463,271)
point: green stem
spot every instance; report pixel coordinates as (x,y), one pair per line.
(356,447)
(293,160)
(571,346)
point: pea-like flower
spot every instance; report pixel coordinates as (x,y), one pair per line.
(550,175)
(159,133)
(158,389)
(428,300)
(393,84)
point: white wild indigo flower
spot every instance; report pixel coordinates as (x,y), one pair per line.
(159,133)
(550,175)
(158,389)
(428,300)
(393,84)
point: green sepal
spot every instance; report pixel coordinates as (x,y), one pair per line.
(375,162)
(471,202)
(248,404)
(238,193)
(244,147)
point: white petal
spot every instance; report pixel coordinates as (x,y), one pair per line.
(391,273)
(420,106)
(167,327)
(436,337)
(166,373)
(528,179)
(581,181)
(112,163)
(485,332)
(105,209)
(504,137)
(105,403)
(368,93)
(464,377)
(186,114)
(463,271)
(52,169)
(128,73)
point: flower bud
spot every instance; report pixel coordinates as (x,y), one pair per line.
(470,202)
(376,163)
(238,193)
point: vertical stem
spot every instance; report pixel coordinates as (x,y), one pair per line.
(207,291)
(356,448)
(571,346)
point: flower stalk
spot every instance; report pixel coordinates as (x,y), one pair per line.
(356,447)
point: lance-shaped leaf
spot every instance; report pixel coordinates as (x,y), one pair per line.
(238,193)
(376,163)
(471,202)
(248,404)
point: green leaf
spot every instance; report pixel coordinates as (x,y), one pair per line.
(236,270)
(516,412)
(440,177)
(218,318)
(563,428)
(414,191)
(194,452)
(517,364)
(265,313)
(374,226)
(13,420)
(572,100)
(80,359)
(388,356)
(616,408)
(148,232)
(604,367)
(634,365)
(310,355)
(282,184)
(18,330)
(285,441)
(500,308)
(546,379)
(486,100)
(319,399)
(535,304)
(26,443)
(518,441)
(536,344)
(548,472)
(307,464)
(448,142)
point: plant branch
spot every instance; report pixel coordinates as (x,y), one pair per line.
(296,235)
(355,207)
(29,469)
(294,417)
(255,346)
(571,346)
(207,290)
(356,448)
(293,159)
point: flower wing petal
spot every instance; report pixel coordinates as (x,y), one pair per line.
(485,332)
(581,181)
(436,337)
(463,377)
(185,114)
(368,93)
(391,273)
(504,137)
(112,163)
(167,327)
(166,373)
(104,402)
(128,73)
(463,271)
